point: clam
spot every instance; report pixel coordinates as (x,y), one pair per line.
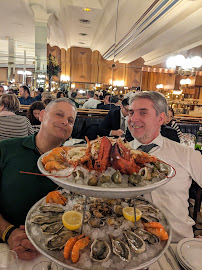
(51,208)
(42,219)
(147,236)
(145,173)
(100,250)
(112,221)
(120,249)
(52,228)
(118,210)
(78,174)
(87,216)
(105,178)
(134,179)
(58,241)
(134,241)
(95,222)
(93,181)
(116,177)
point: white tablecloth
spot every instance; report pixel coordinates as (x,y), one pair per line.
(161,264)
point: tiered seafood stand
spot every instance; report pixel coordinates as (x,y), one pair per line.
(103,223)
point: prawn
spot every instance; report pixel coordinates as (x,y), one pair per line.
(55,197)
(79,245)
(69,245)
(157,229)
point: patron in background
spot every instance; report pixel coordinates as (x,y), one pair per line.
(105,101)
(12,125)
(25,98)
(91,103)
(112,105)
(73,97)
(46,95)
(1,90)
(19,192)
(38,97)
(60,94)
(33,114)
(172,123)
(147,112)
(115,123)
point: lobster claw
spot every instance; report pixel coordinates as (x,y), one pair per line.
(120,160)
(103,160)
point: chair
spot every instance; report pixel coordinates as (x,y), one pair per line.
(195,192)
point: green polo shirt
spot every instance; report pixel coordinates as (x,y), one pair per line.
(19,192)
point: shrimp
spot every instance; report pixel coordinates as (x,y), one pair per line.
(157,229)
(69,245)
(79,245)
(54,165)
(55,197)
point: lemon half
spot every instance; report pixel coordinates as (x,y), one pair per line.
(72,220)
(128,213)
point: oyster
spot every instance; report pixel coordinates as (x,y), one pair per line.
(42,219)
(116,177)
(146,217)
(145,173)
(147,236)
(96,222)
(52,228)
(134,241)
(118,210)
(134,179)
(100,250)
(51,208)
(112,221)
(120,249)
(58,241)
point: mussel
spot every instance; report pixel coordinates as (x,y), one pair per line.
(100,250)
(134,241)
(120,249)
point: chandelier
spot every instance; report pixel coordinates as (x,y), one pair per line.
(184,66)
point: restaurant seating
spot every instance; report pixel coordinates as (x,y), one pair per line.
(189,127)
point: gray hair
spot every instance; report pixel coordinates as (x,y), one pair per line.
(159,101)
(10,102)
(58,100)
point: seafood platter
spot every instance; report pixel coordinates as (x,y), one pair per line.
(107,239)
(105,168)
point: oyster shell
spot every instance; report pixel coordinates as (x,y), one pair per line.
(134,179)
(78,174)
(100,250)
(134,241)
(95,222)
(42,219)
(52,228)
(58,241)
(118,210)
(145,173)
(120,249)
(51,208)
(147,236)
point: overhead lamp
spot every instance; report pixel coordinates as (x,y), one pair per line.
(118,83)
(185,81)
(177,92)
(22,72)
(73,85)
(81,91)
(184,66)
(159,86)
(64,78)
(87,9)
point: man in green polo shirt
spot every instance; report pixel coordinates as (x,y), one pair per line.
(19,192)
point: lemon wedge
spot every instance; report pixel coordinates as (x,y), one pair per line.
(128,213)
(72,220)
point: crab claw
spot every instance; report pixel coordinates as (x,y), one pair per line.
(103,160)
(120,160)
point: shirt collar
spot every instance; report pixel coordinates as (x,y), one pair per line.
(29,142)
(158,140)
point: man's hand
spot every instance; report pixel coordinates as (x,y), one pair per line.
(118,132)
(19,243)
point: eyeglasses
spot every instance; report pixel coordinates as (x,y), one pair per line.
(126,109)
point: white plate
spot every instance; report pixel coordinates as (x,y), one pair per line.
(190,253)
(104,192)
(181,263)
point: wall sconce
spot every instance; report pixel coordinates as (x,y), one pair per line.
(64,78)
(184,66)
(73,85)
(177,92)
(185,81)
(159,86)
(117,83)
(21,72)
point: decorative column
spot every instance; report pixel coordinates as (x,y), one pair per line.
(11,59)
(41,25)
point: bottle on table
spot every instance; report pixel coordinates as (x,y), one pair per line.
(198,144)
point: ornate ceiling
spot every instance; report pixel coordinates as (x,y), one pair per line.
(124,29)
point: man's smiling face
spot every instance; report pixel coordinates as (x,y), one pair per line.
(143,122)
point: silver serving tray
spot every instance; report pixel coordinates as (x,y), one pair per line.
(105,192)
(57,256)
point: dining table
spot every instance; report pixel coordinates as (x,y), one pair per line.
(168,261)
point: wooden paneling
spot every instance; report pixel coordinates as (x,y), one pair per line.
(153,78)
(3,74)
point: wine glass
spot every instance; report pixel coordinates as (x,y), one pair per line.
(45,265)
(8,260)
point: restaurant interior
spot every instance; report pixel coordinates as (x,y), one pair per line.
(120,46)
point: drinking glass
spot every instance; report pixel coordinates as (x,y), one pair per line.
(8,260)
(45,265)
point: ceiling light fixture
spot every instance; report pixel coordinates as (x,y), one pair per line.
(184,66)
(84,21)
(87,9)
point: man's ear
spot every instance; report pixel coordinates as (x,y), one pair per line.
(41,115)
(162,117)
